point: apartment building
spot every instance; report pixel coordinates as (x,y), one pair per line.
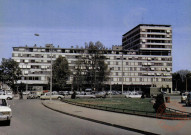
(143,61)
(149,39)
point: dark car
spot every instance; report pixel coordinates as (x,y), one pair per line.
(188,100)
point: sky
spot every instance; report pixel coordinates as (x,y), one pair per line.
(73,22)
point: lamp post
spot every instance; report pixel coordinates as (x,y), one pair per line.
(186,85)
(122,74)
(51,73)
(110,83)
(177,85)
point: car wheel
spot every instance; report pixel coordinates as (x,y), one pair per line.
(8,98)
(8,122)
(59,98)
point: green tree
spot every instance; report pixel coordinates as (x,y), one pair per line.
(91,66)
(181,80)
(61,73)
(176,81)
(10,73)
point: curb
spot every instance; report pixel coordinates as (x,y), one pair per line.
(101,122)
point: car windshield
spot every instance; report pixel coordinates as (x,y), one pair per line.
(3,102)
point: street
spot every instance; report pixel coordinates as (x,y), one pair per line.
(30,117)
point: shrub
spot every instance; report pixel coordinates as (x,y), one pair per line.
(159,105)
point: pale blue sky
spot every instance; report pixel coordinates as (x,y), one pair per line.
(73,22)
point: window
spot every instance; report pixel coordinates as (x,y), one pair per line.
(3,102)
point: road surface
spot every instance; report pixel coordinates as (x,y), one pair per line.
(30,117)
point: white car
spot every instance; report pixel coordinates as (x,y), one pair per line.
(5,111)
(133,95)
(184,97)
(53,96)
(26,92)
(101,94)
(6,96)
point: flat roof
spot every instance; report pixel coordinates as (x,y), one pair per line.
(153,25)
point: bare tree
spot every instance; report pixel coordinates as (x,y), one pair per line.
(91,67)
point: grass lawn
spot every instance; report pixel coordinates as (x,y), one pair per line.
(123,103)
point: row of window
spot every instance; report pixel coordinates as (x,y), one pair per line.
(140,69)
(140,74)
(158,31)
(142,79)
(107,57)
(132,35)
(158,41)
(130,79)
(139,63)
(156,46)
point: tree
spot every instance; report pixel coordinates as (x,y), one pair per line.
(61,73)
(10,72)
(182,80)
(91,66)
(176,80)
(78,76)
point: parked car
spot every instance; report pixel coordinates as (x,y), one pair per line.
(133,95)
(70,92)
(82,93)
(32,95)
(5,111)
(53,96)
(188,99)
(64,93)
(6,96)
(2,91)
(100,94)
(26,92)
(78,92)
(184,97)
(8,92)
(88,90)
(85,96)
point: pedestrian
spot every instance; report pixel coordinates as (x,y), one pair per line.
(21,95)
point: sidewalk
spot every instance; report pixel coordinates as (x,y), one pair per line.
(135,123)
(176,104)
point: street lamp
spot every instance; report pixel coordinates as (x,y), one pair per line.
(177,84)
(110,82)
(122,74)
(51,46)
(186,84)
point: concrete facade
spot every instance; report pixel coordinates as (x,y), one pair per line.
(143,60)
